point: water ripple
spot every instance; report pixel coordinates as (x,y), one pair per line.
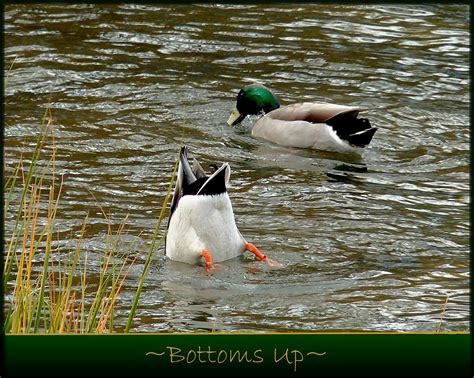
(130,83)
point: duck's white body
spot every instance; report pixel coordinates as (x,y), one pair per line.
(204,222)
(201,223)
(290,126)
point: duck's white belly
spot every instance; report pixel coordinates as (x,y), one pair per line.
(203,222)
(301,134)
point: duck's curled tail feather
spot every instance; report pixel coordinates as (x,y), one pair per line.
(357,132)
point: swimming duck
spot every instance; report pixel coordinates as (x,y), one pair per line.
(314,125)
(201,223)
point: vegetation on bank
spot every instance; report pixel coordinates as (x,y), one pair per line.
(48,288)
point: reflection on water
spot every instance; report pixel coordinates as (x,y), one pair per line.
(371,242)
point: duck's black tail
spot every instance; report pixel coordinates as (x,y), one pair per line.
(362,138)
(357,132)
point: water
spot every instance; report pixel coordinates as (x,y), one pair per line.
(129,84)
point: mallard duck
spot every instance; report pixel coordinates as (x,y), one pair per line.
(314,125)
(201,225)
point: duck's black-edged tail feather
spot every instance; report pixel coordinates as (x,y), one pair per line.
(361,138)
(198,169)
(216,184)
(186,175)
(192,180)
(357,132)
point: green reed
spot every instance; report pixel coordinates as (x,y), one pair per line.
(152,248)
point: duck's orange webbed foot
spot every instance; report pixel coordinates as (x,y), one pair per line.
(208,264)
(207,259)
(253,249)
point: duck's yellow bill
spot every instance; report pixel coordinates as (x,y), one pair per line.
(234,118)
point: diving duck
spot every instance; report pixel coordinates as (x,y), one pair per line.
(201,225)
(321,126)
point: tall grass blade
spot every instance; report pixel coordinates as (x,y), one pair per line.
(146,267)
(46,124)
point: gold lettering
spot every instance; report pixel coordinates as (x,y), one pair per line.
(219,360)
(296,359)
(191,352)
(277,360)
(257,359)
(316,353)
(293,357)
(209,355)
(155,353)
(199,354)
(240,358)
(173,353)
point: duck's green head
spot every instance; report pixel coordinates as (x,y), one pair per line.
(252,99)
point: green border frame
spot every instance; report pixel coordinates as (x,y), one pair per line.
(291,354)
(324,354)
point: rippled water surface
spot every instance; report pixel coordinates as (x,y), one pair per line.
(380,250)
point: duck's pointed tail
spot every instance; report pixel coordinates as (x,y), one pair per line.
(357,132)
(362,138)
(216,184)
